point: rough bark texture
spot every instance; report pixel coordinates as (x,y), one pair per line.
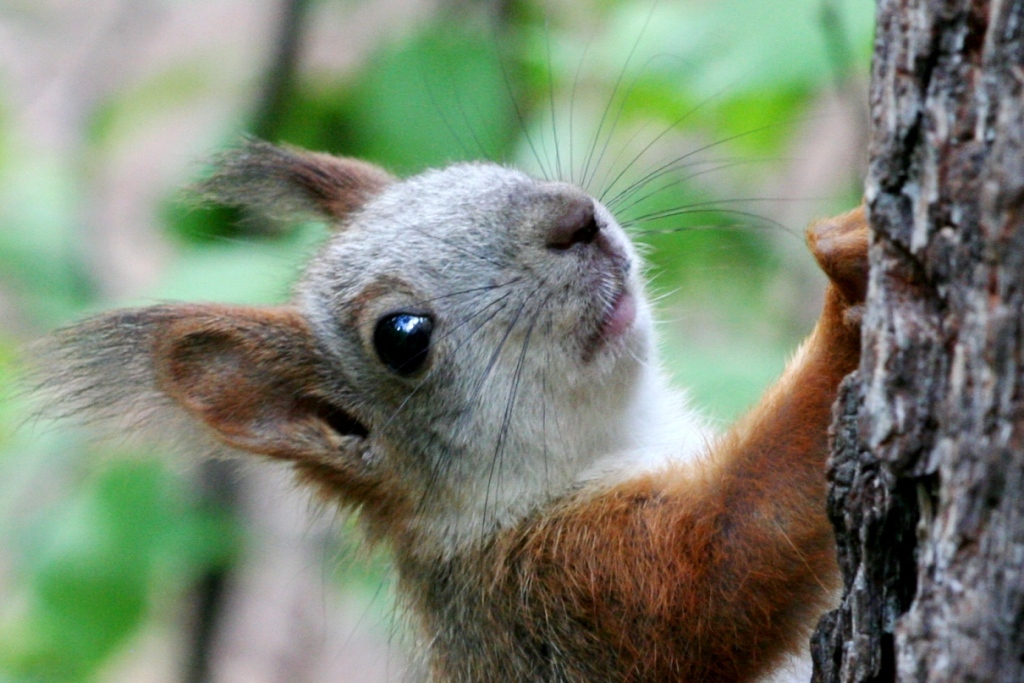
(928,464)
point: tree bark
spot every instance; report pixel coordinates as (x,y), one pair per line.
(927,473)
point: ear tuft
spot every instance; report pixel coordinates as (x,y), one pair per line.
(288,183)
(254,376)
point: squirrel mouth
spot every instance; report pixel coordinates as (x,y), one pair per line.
(615,317)
(619,316)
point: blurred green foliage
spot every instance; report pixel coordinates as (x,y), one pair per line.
(107,542)
(91,565)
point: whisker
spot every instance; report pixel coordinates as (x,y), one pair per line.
(665,170)
(691,153)
(623,101)
(572,104)
(506,420)
(706,226)
(472,290)
(551,96)
(447,334)
(626,146)
(476,394)
(492,361)
(646,148)
(611,100)
(723,165)
(544,424)
(435,468)
(484,153)
(544,395)
(519,116)
(713,205)
(436,106)
(719,227)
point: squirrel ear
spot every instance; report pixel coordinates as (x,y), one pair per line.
(288,183)
(254,376)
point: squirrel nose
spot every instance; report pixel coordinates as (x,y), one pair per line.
(577,225)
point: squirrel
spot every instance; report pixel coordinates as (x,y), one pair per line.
(469,362)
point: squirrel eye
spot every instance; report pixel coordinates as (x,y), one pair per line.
(402,340)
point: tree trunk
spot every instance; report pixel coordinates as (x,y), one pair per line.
(927,472)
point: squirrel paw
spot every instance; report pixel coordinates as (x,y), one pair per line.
(840,245)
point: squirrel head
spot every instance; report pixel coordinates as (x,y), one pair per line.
(464,347)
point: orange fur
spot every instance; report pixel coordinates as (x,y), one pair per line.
(707,573)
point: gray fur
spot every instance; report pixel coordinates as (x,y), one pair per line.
(521,400)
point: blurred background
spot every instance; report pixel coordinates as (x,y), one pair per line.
(716,129)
